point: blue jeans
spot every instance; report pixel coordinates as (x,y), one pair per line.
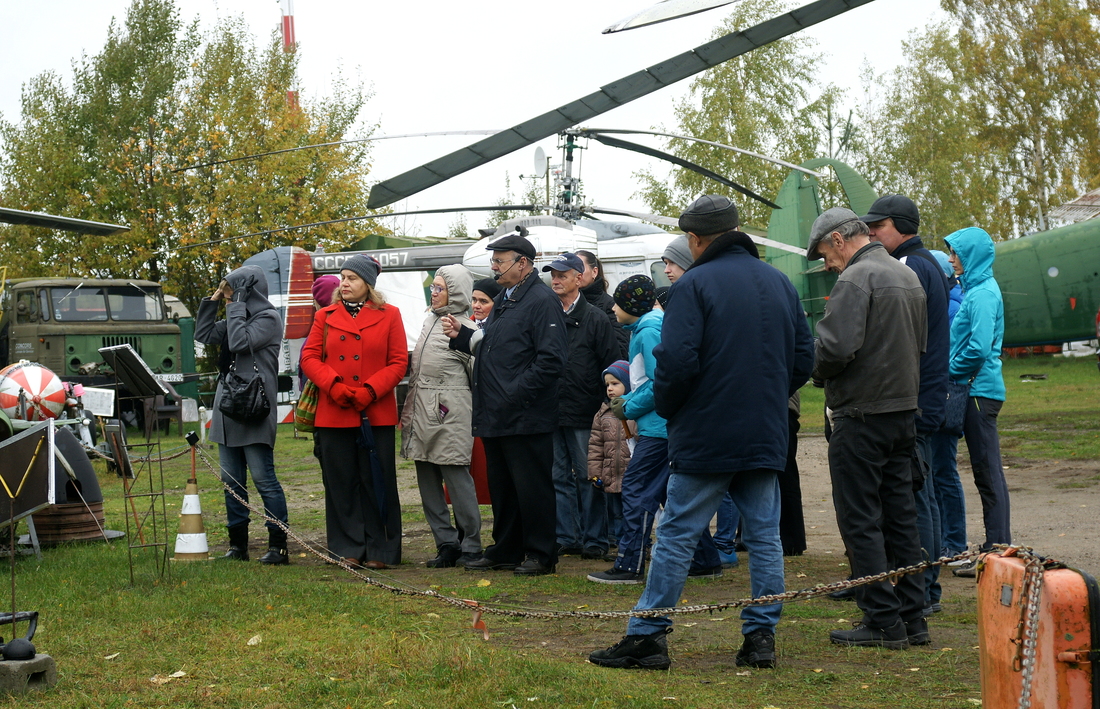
(725,534)
(692,501)
(260,459)
(949,492)
(928,521)
(582,509)
(644,490)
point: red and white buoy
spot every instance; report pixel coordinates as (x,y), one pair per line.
(30,391)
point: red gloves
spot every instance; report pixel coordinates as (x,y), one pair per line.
(342,394)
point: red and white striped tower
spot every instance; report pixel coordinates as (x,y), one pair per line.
(289,42)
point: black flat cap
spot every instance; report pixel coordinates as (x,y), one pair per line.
(710,214)
(513,242)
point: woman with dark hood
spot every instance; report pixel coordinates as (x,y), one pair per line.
(249,338)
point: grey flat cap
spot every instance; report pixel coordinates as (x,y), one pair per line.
(829,221)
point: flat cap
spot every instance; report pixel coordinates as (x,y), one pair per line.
(829,221)
(710,214)
(513,242)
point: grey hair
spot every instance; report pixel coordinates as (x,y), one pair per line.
(852,229)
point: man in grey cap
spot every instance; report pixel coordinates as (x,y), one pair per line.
(519,358)
(593,347)
(868,356)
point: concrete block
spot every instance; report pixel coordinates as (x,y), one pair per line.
(21,676)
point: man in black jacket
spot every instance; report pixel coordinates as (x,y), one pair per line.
(582,510)
(893,222)
(519,357)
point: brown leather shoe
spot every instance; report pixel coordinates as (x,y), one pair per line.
(375,565)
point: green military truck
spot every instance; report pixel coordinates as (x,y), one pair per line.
(61,323)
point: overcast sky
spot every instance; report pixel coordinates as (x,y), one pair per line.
(437,65)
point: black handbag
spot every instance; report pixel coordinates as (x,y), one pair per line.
(957,397)
(244,400)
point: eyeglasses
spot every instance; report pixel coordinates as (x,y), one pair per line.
(501,262)
(436,289)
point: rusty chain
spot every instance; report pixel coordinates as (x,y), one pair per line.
(1027,637)
(479,607)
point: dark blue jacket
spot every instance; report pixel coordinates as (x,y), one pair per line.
(734,347)
(932,398)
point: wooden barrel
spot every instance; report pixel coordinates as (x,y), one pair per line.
(69,522)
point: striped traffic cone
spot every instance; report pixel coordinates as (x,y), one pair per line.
(191,541)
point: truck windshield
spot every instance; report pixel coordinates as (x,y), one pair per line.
(94,303)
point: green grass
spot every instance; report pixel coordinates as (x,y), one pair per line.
(1057,417)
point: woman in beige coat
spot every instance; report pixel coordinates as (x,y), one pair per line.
(435,424)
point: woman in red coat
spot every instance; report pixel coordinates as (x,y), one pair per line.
(356,354)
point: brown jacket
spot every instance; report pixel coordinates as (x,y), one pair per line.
(608,451)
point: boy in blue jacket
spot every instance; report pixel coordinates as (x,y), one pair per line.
(646,477)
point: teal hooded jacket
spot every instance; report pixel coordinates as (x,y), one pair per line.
(979,326)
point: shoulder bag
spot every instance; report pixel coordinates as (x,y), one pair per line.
(244,400)
(305,412)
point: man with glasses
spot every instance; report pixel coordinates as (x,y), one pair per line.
(519,358)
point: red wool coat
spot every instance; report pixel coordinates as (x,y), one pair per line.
(367,349)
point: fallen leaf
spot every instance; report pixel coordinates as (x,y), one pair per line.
(717,620)
(302,555)
(977,702)
(746,673)
(484,582)
(433,615)
(532,699)
(842,620)
(113,656)
(914,669)
(800,575)
(255,640)
(945,649)
(864,686)
(690,625)
(177,675)
(157,679)
(582,606)
(670,699)
(819,670)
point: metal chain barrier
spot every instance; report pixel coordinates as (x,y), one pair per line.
(1028,629)
(479,607)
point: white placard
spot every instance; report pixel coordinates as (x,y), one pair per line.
(100,402)
(190,410)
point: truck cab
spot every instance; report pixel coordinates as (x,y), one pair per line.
(61,323)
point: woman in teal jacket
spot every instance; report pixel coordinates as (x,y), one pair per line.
(976,334)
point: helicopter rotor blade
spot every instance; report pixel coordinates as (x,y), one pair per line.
(608,97)
(644,216)
(664,11)
(493,208)
(677,160)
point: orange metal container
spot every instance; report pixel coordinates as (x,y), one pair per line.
(1068,642)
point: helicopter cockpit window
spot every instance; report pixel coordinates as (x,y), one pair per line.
(79,304)
(657,273)
(133,303)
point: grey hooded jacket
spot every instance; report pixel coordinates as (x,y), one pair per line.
(435,420)
(252,322)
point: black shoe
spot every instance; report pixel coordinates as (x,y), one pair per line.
(593,553)
(445,558)
(238,543)
(469,558)
(968,570)
(847,594)
(701,572)
(649,652)
(533,567)
(275,556)
(893,638)
(569,551)
(917,632)
(616,576)
(487,564)
(758,650)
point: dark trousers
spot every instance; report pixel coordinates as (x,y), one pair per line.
(984,444)
(362,507)
(871,466)
(644,490)
(792,524)
(520,474)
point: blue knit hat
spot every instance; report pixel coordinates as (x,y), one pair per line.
(621,371)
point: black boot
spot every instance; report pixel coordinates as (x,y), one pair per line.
(276,548)
(447,557)
(238,542)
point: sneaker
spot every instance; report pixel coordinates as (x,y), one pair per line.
(593,553)
(893,638)
(917,632)
(758,650)
(729,560)
(614,575)
(937,607)
(968,570)
(649,652)
(926,612)
(702,572)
